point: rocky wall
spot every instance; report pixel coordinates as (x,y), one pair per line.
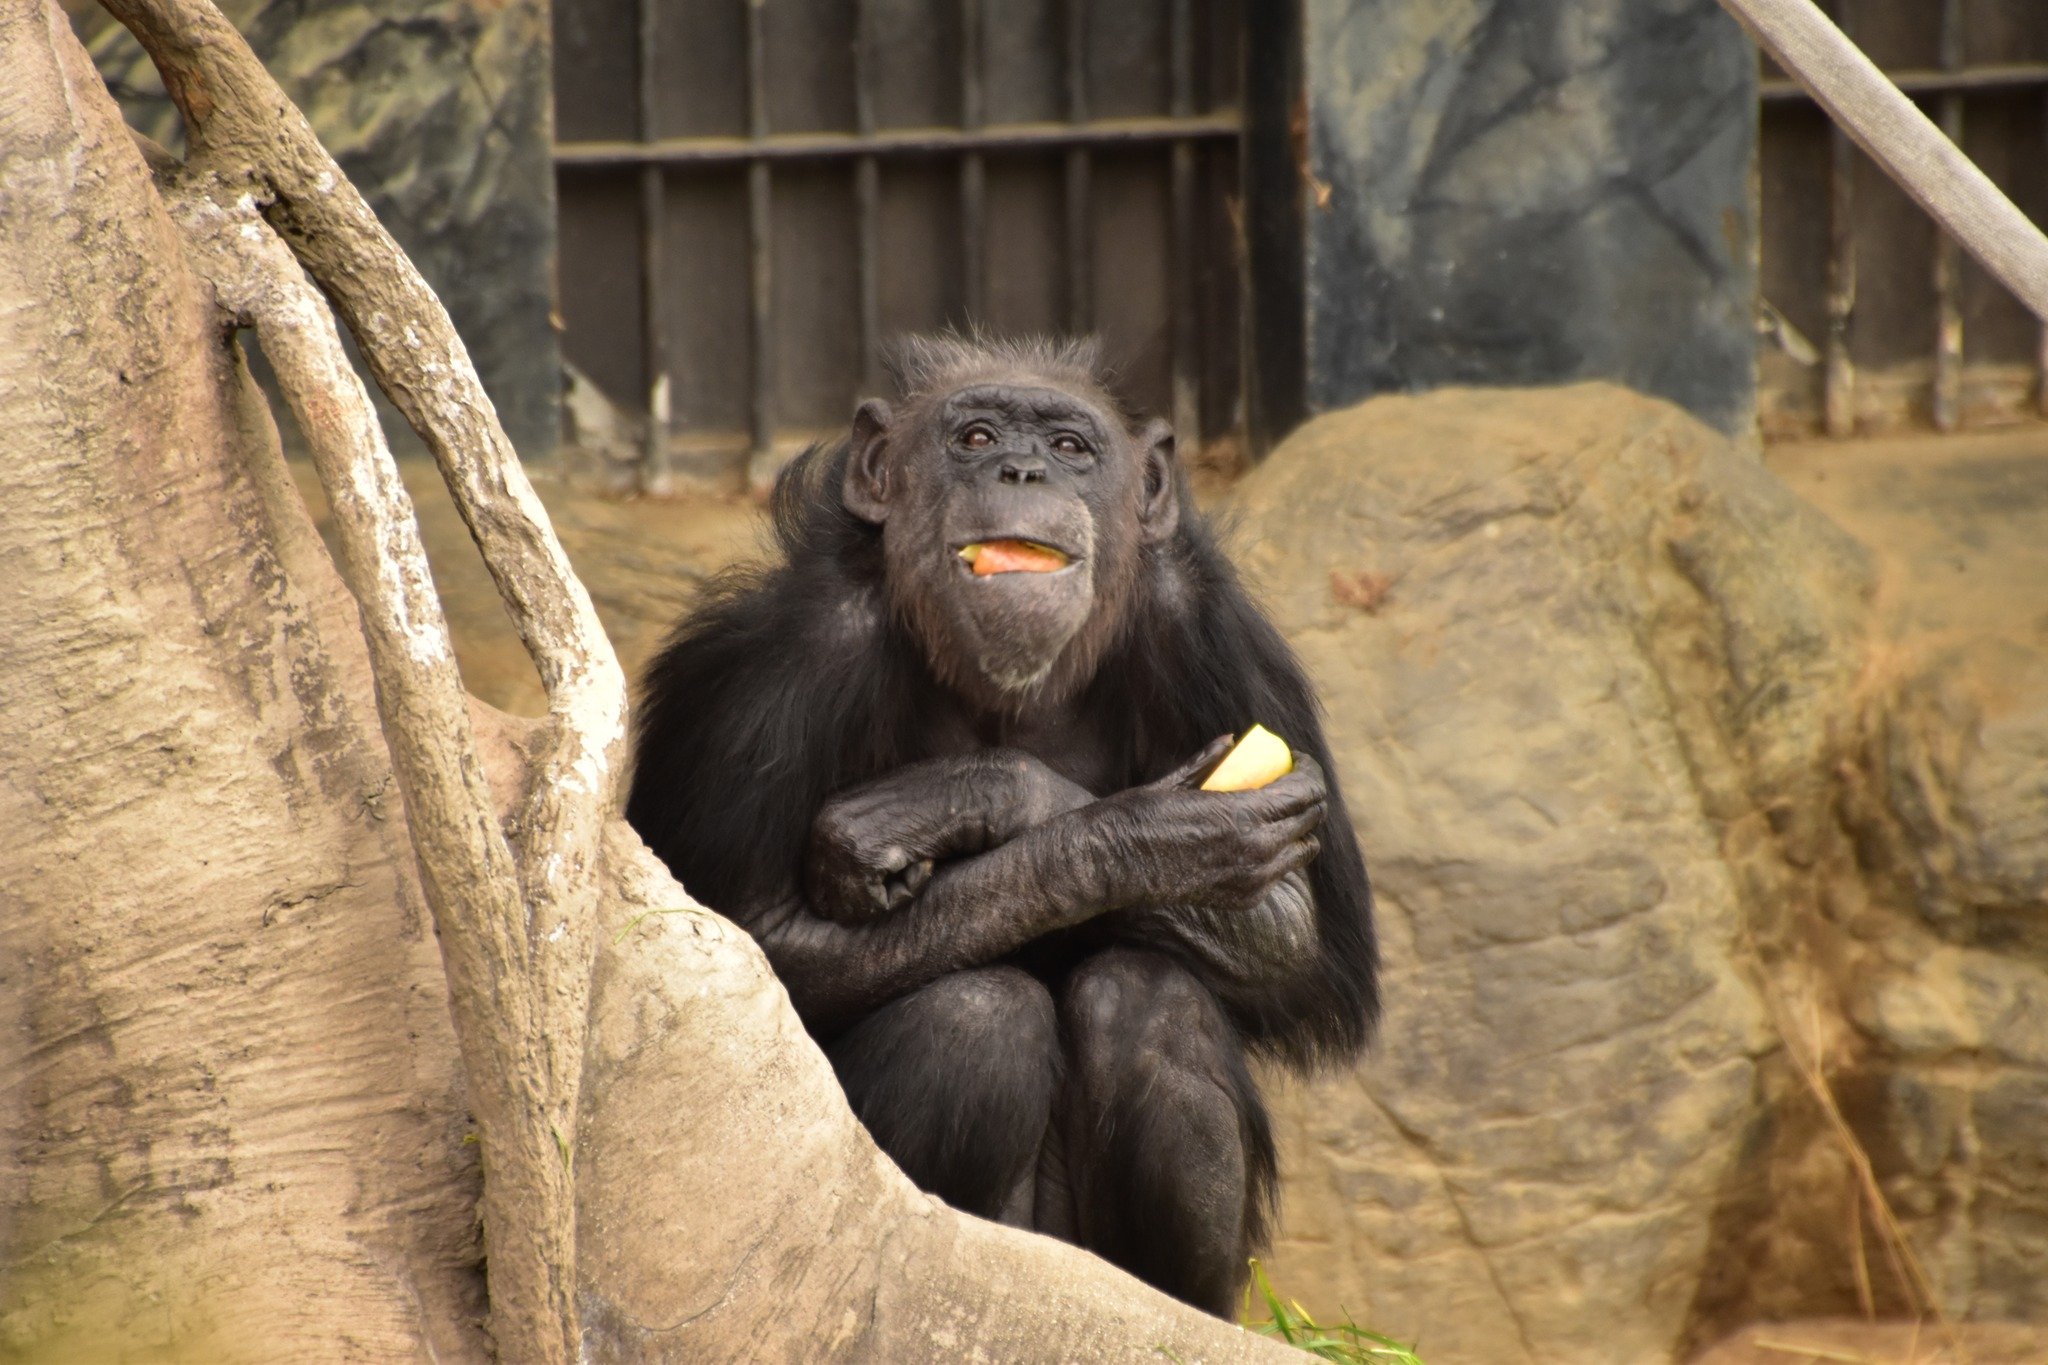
(440,113)
(1530,192)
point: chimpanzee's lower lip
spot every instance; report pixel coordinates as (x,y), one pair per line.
(1011,554)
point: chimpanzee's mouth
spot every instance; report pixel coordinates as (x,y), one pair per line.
(989,557)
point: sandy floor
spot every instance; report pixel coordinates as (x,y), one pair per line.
(1959,525)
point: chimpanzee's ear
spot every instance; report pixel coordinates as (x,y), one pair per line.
(1159,489)
(866,490)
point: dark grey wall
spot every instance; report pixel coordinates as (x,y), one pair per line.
(438,110)
(1530,191)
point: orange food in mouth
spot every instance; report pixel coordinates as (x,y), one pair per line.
(1012,556)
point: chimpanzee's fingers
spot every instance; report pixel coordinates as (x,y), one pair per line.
(1191,773)
(1299,825)
(1300,854)
(1305,783)
(1292,859)
(1287,798)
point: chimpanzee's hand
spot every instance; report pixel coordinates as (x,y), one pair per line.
(1174,844)
(873,847)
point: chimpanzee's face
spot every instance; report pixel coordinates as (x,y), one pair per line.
(1013,513)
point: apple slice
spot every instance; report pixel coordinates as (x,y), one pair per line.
(1257,759)
(1012,556)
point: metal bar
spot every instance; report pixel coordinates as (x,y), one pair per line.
(1962,80)
(1187,410)
(1080,245)
(1948,257)
(653,334)
(1097,135)
(1273,354)
(973,170)
(867,196)
(760,226)
(1840,374)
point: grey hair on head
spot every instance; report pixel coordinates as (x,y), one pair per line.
(938,361)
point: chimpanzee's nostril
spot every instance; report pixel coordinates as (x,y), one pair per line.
(1021,474)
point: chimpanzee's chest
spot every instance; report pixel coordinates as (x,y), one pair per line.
(1079,743)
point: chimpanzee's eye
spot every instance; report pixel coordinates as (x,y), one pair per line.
(1067,443)
(977,437)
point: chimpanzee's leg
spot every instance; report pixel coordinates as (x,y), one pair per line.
(1167,1152)
(955,1082)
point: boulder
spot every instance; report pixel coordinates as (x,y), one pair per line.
(1568,640)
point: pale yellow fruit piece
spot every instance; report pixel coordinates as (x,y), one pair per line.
(1257,759)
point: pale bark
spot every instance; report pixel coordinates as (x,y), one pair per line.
(232,1125)
(231,1115)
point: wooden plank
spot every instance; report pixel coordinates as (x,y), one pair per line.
(1839,378)
(1912,150)
(1948,258)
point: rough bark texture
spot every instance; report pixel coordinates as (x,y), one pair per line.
(231,1121)
(231,1105)
(710,1110)
(515,924)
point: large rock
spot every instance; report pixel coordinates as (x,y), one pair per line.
(1569,640)
(1947,982)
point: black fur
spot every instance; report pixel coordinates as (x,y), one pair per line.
(767,681)
(792,681)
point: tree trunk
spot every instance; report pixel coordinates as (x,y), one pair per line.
(235,1121)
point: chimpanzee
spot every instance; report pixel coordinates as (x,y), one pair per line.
(957,804)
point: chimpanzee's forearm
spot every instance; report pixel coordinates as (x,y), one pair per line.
(1233,950)
(974,911)
(875,846)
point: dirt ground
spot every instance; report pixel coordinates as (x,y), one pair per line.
(1959,525)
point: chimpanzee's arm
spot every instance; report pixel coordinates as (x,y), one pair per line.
(1157,845)
(874,847)
(1234,950)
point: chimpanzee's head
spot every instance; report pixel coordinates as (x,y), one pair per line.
(1016,504)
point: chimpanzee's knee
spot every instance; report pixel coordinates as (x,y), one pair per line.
(955,1082)
(1167,1149)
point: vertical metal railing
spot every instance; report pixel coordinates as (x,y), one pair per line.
(653,338)
(1839,379)
(1075,139)
(1080,239)
(1948,256)
(1947,87)
(867,198)
(1183,335)
(760,243)
(973,170)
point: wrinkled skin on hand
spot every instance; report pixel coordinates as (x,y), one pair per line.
(873,849)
